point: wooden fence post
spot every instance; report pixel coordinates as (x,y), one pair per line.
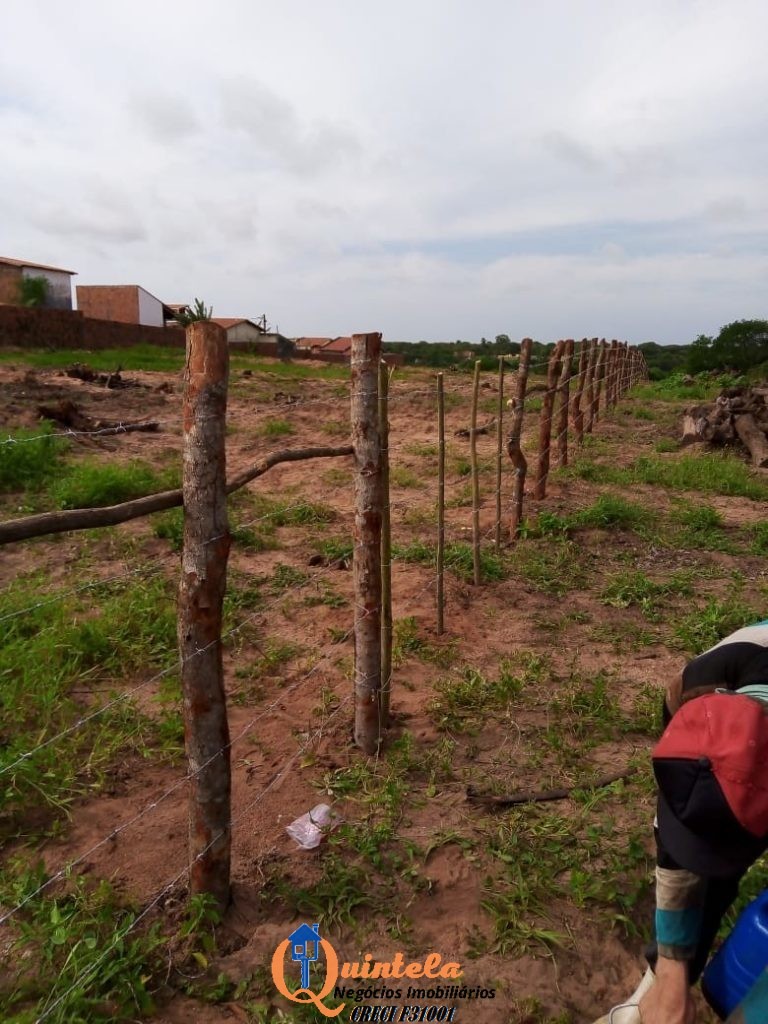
(563,388)
(514,449)
(366,563)
(600,369)
(578,414)
(440,500)
(590,388)
(545,423)
(476,570)
(611,378)
(386,547)
(201,596)
(499,448)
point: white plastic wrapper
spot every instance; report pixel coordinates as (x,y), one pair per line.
(308,830)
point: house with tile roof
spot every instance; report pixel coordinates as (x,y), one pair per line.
(58,290)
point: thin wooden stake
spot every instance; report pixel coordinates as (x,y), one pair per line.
(386,548)
(545,423)
(477,574)
(563,388)
(201,597)
(514,450)
(440,500)
(366,563)
(499,451)
(578,414)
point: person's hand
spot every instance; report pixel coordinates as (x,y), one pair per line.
(669,1001)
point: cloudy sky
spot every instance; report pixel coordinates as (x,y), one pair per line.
(433,169)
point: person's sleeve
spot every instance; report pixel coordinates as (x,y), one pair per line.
(753,1009)
(680,898)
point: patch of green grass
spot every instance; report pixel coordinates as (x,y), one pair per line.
(335,428)
(700,528)
(553,568)
(636,590)
(277,428)
(138,357)
(666,445)
(704,626)
(335,548)
(89,640)
(424,451)
(90,484)
(463,699)
(286,577)
(714,473)
(401,476)
(27,463)
(77,957)
(613,510)
(759,532)
(458,558)
(408,640)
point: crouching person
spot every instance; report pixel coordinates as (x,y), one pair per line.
(711,767)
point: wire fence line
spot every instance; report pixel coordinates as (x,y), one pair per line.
(361,608)
(85,975)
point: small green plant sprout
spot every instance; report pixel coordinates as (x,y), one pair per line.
(196,312)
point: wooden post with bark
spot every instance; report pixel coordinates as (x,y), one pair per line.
(201,597)
(578,413)
(366,562)
(440,501)
(386,547)
(611,376)
(590,386)
(545,423)
(499,451)
(476,570)
(514,450)
(600,368)
(563,389)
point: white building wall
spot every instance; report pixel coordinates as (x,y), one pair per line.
(59,286)
(244,332)
(150,310)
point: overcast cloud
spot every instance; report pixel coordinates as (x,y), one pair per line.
(434,169)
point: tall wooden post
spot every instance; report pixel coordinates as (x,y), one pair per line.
(386,547)
(600,369)
(578,413)
(366,563)
(563,388)
(610,376)
(514,449)
(440,501)
(477,574)
(590,387)
(545,423)
(499,451)
(201,597)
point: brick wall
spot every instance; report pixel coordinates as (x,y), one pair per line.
(21,327)
(10,278)
(109,302)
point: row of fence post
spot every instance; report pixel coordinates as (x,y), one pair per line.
(604,373)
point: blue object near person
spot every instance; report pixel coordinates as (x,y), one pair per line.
(740,961)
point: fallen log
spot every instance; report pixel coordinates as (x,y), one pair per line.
(496,803)
(753,438)
(705,423)
(485,429)
(69,414)
(86,518)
